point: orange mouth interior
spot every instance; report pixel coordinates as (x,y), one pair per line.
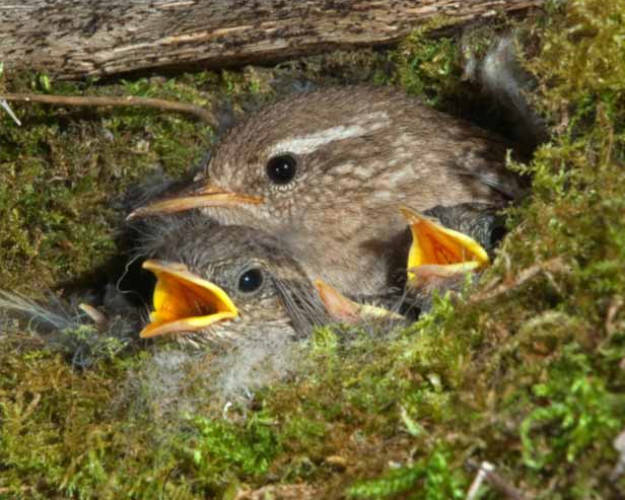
(443,251)
(184,302)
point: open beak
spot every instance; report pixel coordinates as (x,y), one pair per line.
(207,196)
(345,310)
(184,302)
(437,251)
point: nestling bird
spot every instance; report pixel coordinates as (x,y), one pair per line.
(447,243)
(224,282)
(326,173)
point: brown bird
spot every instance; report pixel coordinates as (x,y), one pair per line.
(447,243)
(221,283)
(327,171)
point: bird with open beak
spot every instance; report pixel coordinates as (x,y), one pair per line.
(447,243)
(219,283)
(327,171)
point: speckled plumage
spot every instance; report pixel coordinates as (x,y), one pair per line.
(361,153)
(286,304)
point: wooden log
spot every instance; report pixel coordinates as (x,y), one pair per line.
(72,39)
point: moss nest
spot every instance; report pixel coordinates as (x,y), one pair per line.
(527,372)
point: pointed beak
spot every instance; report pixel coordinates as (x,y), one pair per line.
(184,302)
(339,307)
(345,310)
(440,251)
(207,196)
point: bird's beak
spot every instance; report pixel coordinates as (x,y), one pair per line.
(440,252)
(345,310)
(206,196)
(184,302)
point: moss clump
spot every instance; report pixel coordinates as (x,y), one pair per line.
(429,69)
(527,373)
(222,453)
(434,478)
(61,171)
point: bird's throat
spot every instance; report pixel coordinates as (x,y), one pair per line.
(184,302)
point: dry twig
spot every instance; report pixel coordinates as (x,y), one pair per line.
(5,105)
(616,304)
(555,265)
(496,481)
(162,104)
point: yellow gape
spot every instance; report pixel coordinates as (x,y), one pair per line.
(184,302)
(442,251)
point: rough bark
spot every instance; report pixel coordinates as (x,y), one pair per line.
(78,38)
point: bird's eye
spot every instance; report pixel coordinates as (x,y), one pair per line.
(250,281)
(281,169)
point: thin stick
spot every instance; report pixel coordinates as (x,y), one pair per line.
(7,108)
(147,102)
(498,482)
(98,317)
(554,265)
(485,467)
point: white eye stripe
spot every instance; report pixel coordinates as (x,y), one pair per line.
(311,142)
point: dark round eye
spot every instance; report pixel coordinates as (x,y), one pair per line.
(281,169)
(250,280)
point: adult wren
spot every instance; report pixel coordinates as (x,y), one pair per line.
(220,283)
(326,172)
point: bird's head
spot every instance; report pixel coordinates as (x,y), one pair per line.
(220,282)
(288,161)
(461,239)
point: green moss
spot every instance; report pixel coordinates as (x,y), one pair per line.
(427,68)
(580,413)
(434,479)
(230,452)
(58,171)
